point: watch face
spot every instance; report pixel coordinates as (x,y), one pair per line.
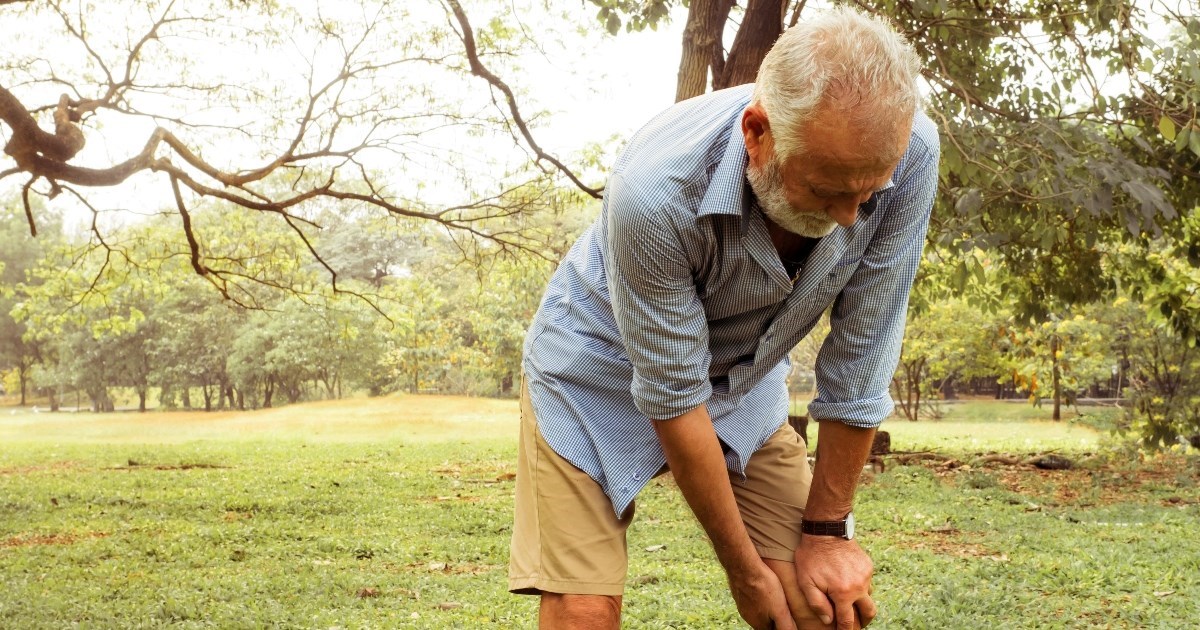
(850,526)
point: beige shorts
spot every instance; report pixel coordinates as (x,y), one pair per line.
(566,538)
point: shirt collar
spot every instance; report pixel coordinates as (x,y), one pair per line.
(727,189)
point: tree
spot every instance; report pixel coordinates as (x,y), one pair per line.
(1158,343)
(1062,356)
(945,341)
(289,146)
(1041,159)
(19,254)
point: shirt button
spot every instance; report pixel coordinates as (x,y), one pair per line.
(637,476)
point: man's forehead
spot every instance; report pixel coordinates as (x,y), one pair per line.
(833,177)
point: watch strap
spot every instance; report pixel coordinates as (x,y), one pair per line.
(823,528)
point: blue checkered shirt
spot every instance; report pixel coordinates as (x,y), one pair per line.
(676,297)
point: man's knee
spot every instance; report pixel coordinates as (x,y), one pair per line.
(568,611)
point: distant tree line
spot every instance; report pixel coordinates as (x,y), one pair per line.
(89,318)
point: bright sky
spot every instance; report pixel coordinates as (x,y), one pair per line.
(587,88)
(591,88)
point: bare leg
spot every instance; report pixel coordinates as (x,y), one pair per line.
(580,612)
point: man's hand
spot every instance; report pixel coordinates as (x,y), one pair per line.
(834,576)
(760,599)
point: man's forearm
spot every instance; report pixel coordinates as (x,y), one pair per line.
(694,455)
(843,450)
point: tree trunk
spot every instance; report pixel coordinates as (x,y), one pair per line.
(53,399)
(141,392)
(268,392)
(187,397)
(23,374)
(1057,377)
(917,402)
(761,26)
(207,391)
(702,47)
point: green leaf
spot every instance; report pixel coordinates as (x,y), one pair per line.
(969,203)
(1167,127)
(1181,140)
(614,24)
(1194,142)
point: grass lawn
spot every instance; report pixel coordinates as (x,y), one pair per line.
(394,512)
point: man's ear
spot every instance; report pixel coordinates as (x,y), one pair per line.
(757,132)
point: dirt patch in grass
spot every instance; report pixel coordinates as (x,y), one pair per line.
(481,473)
(1105,486)
(948,542)
(460,568)
(50,467)
(31,540)
(133,465)
(465,498)
(1098,484)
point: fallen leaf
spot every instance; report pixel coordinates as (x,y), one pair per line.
(653,548)
(448,606)
(437,566)
(1163,593)
(367,592)
(943,529)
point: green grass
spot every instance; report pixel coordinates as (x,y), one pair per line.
(395,513)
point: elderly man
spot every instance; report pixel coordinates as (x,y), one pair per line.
(731,223)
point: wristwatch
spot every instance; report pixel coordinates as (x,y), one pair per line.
(842,529)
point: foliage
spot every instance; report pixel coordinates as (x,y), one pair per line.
(127,311)
(19,254)
(950,340)
(1161,376)
(1061,356)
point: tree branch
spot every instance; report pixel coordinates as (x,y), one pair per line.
(479,70)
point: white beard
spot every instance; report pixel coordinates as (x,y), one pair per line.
(767,184)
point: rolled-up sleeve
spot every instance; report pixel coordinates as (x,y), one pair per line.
(855,365)
(657,309)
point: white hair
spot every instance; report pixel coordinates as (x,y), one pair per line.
(843,59)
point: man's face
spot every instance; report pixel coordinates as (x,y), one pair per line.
(823,185)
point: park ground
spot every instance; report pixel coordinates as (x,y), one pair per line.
(394,512)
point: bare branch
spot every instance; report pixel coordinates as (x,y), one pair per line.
(478,69)
(193,245)
(28,207)
(29,140)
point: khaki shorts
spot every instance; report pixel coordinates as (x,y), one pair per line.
(566,538)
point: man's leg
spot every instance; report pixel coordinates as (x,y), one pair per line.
(771,501)
(581,612)
(568,546)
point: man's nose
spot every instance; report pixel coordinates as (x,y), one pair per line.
(844,212)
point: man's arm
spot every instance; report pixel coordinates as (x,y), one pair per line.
(854,370)
(694,456)
(835,573)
